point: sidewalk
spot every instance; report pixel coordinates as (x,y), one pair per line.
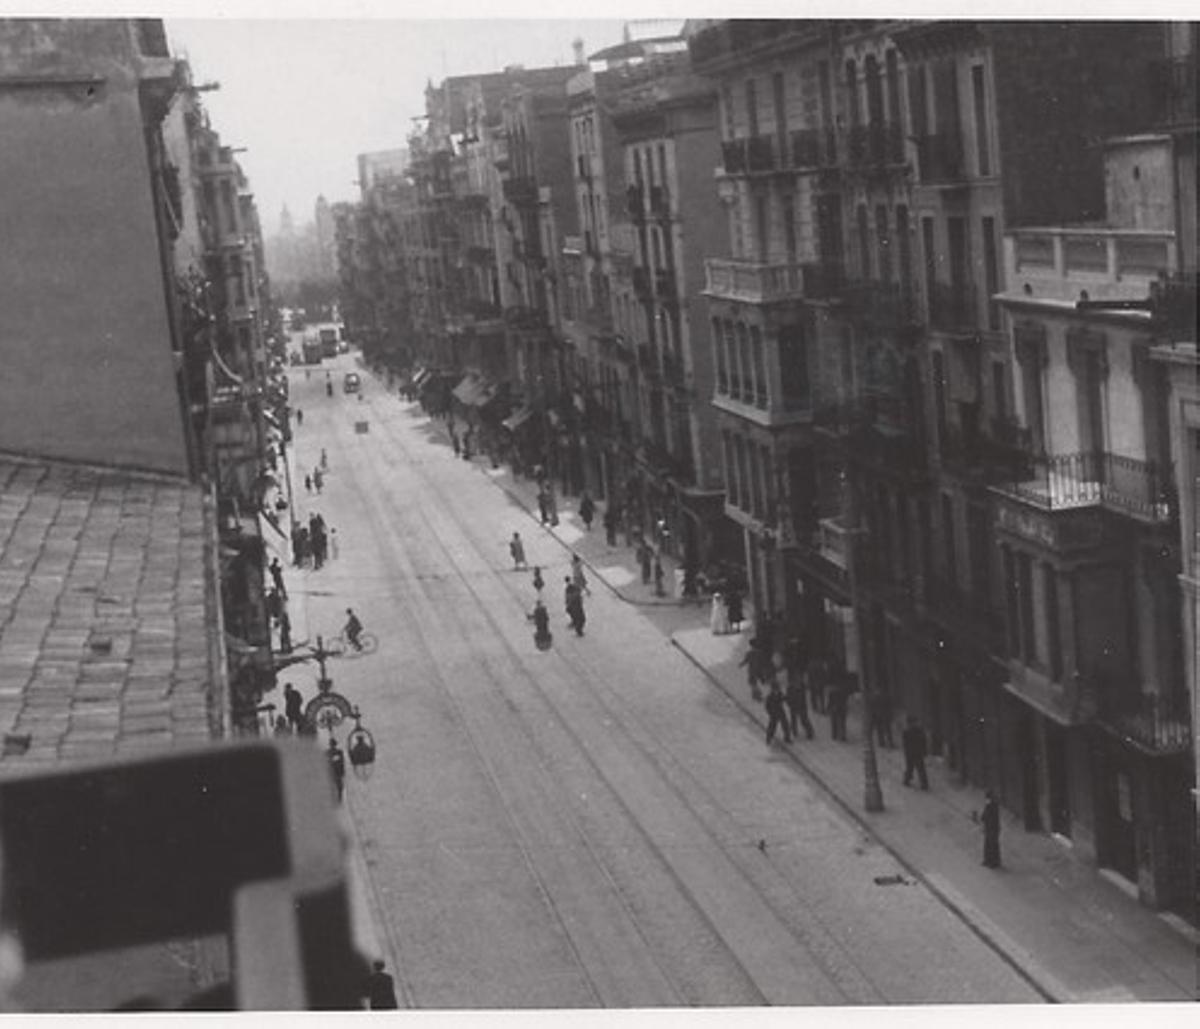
(1070,930)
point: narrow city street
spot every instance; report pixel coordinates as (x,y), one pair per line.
(591,826)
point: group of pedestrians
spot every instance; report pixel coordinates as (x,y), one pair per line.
(313,544)
(575,587)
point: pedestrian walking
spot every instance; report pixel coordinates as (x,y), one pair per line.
(881,717)
(318,480)
(466,445)
(285,632)
(293,706)
(276,570)
(337,767)
(274,604)
(733,598)
(543,502)
(916,746)
(611,519)
(797,703)
(333,544)
(577,575)
(324,460)
(839,698)
(517,549)
(776,715)
(718,618)
(538,581)
(308,484)
(299,417)
(573,601)
(300,546)
(540,617)
(658,577)
(753,662)
(645,557)
(380,989)
(794,666)
(587,510)
(991,831)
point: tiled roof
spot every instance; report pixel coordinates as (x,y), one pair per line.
(106,601)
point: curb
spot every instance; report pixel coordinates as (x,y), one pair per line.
(1041,982)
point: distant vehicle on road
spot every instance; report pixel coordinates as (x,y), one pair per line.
(351,383)
(328,335)
(313,351)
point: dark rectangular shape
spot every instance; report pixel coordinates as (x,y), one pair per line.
(113,857)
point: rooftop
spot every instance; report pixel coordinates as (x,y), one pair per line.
(107,593)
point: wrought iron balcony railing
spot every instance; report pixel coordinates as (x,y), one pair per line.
(1127,485)
(873,145)
(1160,725)
(953,306)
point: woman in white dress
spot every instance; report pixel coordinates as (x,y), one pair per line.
(718,620)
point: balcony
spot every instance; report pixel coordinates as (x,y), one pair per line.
(1125,485)
(754,282)
(664,284)
(733,156)
(760,154)
(732,38)
(1110,264)
(814,148)
(875,146)
(940,159)
(832,542)
(583,166)
(953,306)
(1155,725)
(521,191)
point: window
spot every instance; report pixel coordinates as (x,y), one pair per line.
(727,108)
(979,553)
(892,64)
(735,368)
(755,482)
(789,225)
(930,267)
(904,248)
(762,225)
(864,243)
(752,107)
(730,470)
(1027,638)
(884,242)
(723,383)
(793,367)
(760,373)
(745,365)
(1053,632)
(939,393)
(982,148)
(991,272)
(780,114)
(1031,357)
(948,530)
(874,77)
(852,94)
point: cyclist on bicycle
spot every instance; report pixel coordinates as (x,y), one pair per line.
(353,629)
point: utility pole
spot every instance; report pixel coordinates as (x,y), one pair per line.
(872,791)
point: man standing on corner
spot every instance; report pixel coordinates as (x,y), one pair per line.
(916,746)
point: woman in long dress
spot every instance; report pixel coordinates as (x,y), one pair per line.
(718,620)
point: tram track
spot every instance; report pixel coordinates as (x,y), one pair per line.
(849,982)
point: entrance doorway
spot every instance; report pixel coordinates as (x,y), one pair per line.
(1057,780)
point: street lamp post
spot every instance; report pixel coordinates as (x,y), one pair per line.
(872,790)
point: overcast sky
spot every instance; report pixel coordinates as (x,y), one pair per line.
(305,97)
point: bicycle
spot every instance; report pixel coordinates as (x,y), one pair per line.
(339,646)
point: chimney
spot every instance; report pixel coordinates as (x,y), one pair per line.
(577,47)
